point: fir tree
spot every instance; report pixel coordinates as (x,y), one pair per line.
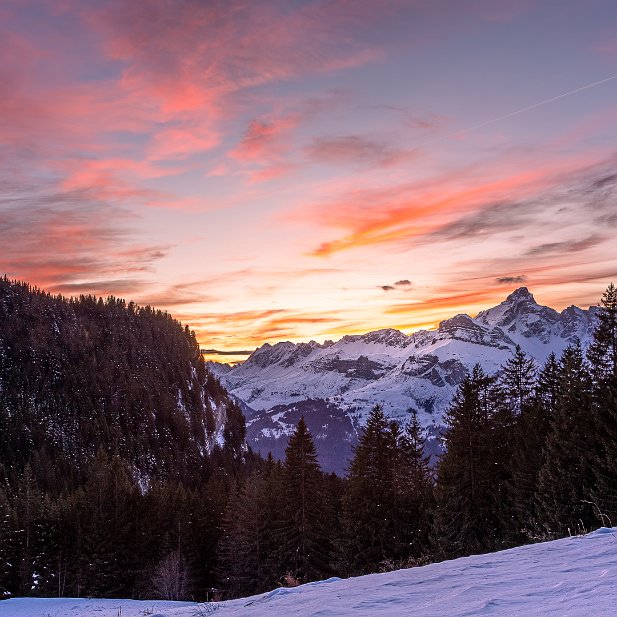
(470,474)
(371,529)
(305,542)
(602,355)
(518,378)
(417,490)
(566,478)
(244,542)
(530,435)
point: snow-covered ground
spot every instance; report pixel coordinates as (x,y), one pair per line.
(565,578)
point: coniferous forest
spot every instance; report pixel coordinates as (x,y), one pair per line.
(124,471)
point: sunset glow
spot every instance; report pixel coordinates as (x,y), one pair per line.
(297,170)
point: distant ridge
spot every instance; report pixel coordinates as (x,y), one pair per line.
(335,384)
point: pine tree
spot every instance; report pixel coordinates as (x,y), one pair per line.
(602,355)
(26,512)
(518,379)
(417,490)
(305,540)
(371,530)
(5,543)
(547,390)
(566,479)
(529,437)
(244,542)
(471,474)
(501,424)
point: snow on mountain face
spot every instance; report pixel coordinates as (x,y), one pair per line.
(387,367)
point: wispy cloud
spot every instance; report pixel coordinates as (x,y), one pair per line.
(356,150)
(567,246)
(411,118)
(179,295)
(72,243)
(219,352)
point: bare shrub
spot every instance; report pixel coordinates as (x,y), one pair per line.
(171,580)
(289,580)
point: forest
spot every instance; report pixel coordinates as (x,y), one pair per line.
(102,496)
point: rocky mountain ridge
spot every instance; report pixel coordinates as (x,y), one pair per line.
(337,383)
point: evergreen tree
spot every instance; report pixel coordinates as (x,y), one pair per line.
(518,378)
(5,544)
(417,490)
(471,473)
(26,513)
(547,390)
(566,479)
(305,540)
(370,517)
(243,545)
(274,503)
(529,437)
(602,355)
(501,422)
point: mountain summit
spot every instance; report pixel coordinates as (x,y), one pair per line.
(522,294)
(335,384)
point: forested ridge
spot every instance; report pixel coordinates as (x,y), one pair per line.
(104,405)
(531,454)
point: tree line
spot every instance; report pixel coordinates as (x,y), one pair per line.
(530,454)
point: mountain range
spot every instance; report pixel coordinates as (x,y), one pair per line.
(335,384)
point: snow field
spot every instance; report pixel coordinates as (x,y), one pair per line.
(573,577)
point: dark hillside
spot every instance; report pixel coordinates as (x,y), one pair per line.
(81,374)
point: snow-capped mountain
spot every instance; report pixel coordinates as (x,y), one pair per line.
(335,384)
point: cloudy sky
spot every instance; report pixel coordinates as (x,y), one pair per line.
(305,169)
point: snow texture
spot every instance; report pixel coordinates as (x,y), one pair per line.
(573,577)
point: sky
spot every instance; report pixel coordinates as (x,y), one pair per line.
(297,170)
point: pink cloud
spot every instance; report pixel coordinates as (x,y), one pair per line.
(264,139)
(357,150)
(172,75)
(68,241)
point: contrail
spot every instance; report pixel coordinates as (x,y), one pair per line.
(518,111)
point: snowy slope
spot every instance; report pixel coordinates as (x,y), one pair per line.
(387,367)
(573,577)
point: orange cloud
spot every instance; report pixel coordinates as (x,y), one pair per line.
(254,327)
(406,211)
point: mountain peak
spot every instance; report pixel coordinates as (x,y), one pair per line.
(522,294)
